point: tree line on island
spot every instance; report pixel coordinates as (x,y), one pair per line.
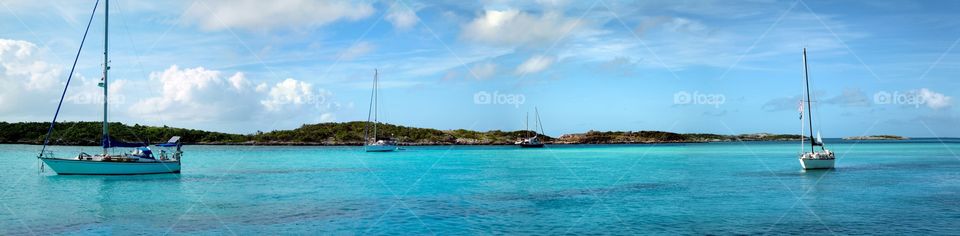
(346,133)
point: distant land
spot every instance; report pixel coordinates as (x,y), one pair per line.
(346,133)
(876,137)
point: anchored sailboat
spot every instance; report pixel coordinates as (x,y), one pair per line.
(141,160)
(823,159)
(534,140)
(371,142)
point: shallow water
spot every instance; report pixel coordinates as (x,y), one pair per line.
(904,187)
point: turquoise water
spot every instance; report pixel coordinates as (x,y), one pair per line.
(728,188)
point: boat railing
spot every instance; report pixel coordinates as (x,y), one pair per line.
(46,154)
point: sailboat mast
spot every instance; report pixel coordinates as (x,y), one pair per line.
(106,67)
(526,125)
(806,78)
(540,124)
(376,101)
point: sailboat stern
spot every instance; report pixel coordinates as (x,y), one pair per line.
(814,164)
(817,160)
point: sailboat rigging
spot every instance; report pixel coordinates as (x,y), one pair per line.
(372,143)
(141,160)
(823,159)
(534,140)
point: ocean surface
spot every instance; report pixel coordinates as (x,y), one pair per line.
(879,187)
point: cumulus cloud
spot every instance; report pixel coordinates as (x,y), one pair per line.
(24,76)
(195,94)
(294,93)
(18,61)
(935,100)
(402,19)
(535,64)
(200,94)
(262,16)
(515,28)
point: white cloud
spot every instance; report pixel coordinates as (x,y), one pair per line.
(678,24)
(535,64)
(24,77)
(200,94)
(196,94)
(15,49)
(515,28)
(19,62)
(553,3)
(357,50)
(402,19)
(484,70)
(849,97)
(935,100)
(290,92)
(263,16)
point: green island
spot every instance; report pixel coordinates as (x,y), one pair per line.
(877,137)
(346,133)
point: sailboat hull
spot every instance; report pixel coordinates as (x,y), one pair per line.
(813,164)
(79,167)
(381,148)
(531,145)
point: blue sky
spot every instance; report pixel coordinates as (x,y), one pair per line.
(877,67)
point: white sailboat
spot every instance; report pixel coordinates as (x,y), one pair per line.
(140,160)
(823,159)
(532,141)
(372,143)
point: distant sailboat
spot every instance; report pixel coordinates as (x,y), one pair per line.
(141,160)
(371,142)
(534,140)
(823,159)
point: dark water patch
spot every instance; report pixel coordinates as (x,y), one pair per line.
(303,213)
(845,169)
(59,227)
(784,173)
(297,171)
(306,213)
(577,195)
(903,166)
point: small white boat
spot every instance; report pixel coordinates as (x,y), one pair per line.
(141,160)
(371,141)
(823,159)
(530,143)
(533,141)
(381,146)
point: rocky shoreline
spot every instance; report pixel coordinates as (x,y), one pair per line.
(876,137)
(350,134)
